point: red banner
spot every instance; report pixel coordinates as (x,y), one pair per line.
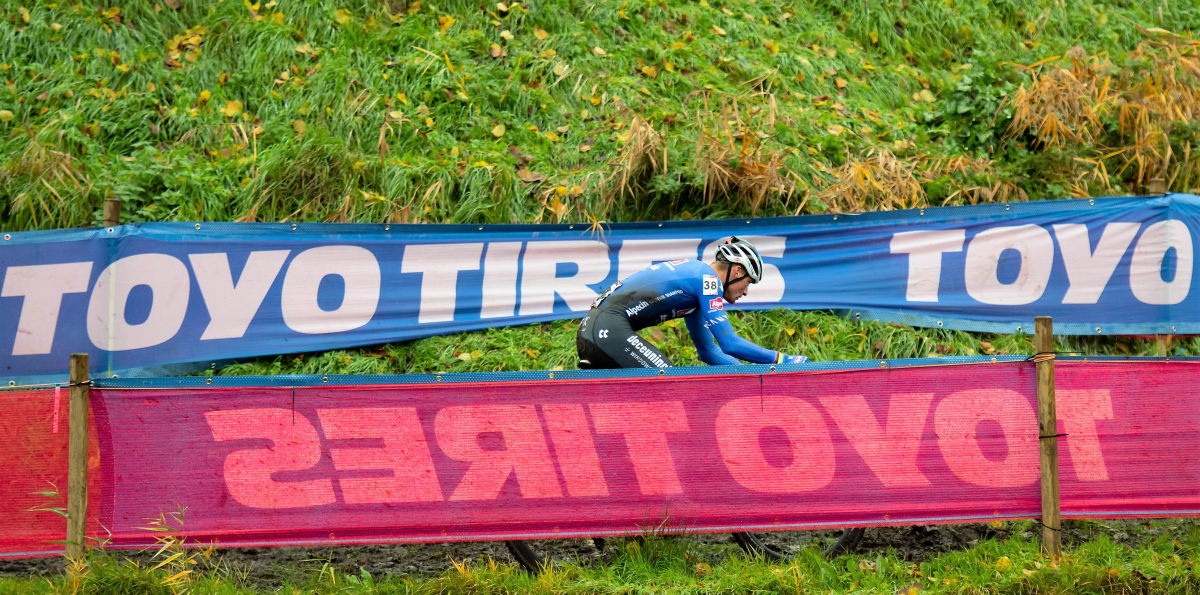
(562,458)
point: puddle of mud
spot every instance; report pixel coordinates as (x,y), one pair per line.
(272,567)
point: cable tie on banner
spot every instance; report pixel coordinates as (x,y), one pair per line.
(1041,356)
(1053,436)
(1039,521)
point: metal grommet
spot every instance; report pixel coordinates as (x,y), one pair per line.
(570,227)
(110,230)
(293,227)
(551,376)
(1006,207)
(208,381)
(922,211)
(747,222)
(324,379)
(835,217)
(939,324)
(12,382)
(438,379)
(1172,329)
(662,372)
(1091,201)
(1097,329)
(214,365)
(994,360)
(114,376)
(660,224)
(480,228)
(772,368)
(7,236)
(882,364)
(387,228)
(1019,329)
(857,316)
(197,226)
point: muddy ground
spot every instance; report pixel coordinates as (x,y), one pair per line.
(271,567)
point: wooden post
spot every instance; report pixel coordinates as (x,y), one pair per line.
(1047,431)
(77,458)
(112,212)
(1157,186)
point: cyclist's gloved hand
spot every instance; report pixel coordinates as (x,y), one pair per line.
(793,359)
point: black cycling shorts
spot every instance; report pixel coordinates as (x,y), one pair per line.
(606,340)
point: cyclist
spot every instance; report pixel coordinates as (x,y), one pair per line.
(697,292)
(689,289)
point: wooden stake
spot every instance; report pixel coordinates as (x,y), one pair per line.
(1048,430)
(112,212)
(77,457)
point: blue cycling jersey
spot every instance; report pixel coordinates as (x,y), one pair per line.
(687,289)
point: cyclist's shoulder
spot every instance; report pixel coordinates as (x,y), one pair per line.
(688,267)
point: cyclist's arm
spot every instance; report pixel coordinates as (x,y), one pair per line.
(706,348)
(716,321)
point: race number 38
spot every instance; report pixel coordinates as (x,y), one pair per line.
(710,285)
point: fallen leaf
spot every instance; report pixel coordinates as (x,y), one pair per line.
(540,34)
(1003,563)
(670,66)
(429,122)
(445,22)
(558,208)
(771,45)
(563,129)
(232,108)
(5,115)
(55,27)
(24,14)
(299,126)
(551,136)
(790,331)
(599,51)
(395,115)
(530,177)
(342,16)
(507,35)
(718,30)
(926,96)
(496,51)
(173,4)
(650,71)
(108,14)
(498,130)
(44,96)
(874,37)
(305,49)
(466,357)
(402,98)
(560,70)
(423,111)
(840,82)
(835,130)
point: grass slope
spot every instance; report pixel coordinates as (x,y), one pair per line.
(563,110)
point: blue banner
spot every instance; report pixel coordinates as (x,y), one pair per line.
(163,298)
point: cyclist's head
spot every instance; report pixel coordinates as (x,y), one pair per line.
(742,258)
(738,251)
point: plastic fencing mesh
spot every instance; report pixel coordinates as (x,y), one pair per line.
(601,456)
(33,472)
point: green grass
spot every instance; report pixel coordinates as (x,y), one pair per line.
(823,336)
(1164,564)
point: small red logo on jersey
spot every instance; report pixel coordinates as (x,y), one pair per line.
(717,304)
(679,261)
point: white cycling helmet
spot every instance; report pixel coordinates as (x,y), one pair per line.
(739,251)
